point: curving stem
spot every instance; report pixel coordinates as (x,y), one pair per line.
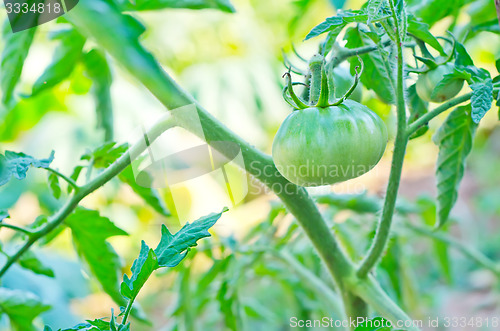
(384,226)
(297,102)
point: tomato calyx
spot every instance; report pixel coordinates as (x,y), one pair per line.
(321,90)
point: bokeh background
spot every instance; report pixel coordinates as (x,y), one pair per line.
(232,64)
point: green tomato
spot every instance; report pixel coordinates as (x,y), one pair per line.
(323,146)
(342,81)
(427,84)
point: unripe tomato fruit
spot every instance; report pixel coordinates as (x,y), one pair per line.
(342,83)
(322,146)
(427,84)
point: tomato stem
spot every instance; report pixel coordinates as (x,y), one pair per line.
(355,83)
(384,226)
(324,92)
(315,67)
(297,103)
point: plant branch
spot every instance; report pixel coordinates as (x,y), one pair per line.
(110,172)
(65,178)
(16,228)
(384,226)
(435,112)
(128,309)
(342,54)
(440,109)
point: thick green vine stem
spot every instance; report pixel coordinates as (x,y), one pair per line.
(384,227)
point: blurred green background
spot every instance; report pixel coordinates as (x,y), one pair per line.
(244,277)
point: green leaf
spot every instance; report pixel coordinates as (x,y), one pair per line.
(150,195)
(98,71)
(99,323)
(432,11)
(481,100)
(353,16)
(462,57)
(29,261)
(90,231)
(74,175)
(375,75)
(360,203)
(373,9)
(223,5)
(430,63)
(331,23)
(337,23)
(16,48)
(142,268)
(330,39)
(463,62)
(418,107)
(17,165)
(402,17)
(421,31)
(95,325)
(173,248)
(54,186)
(21,308)
(454,139)
(106,154)
(65,58)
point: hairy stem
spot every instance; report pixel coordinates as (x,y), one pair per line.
(384,226)
(342,54)
(435,112)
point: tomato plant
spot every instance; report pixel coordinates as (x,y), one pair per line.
(68,179)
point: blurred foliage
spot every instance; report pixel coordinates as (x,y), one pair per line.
(259,269)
